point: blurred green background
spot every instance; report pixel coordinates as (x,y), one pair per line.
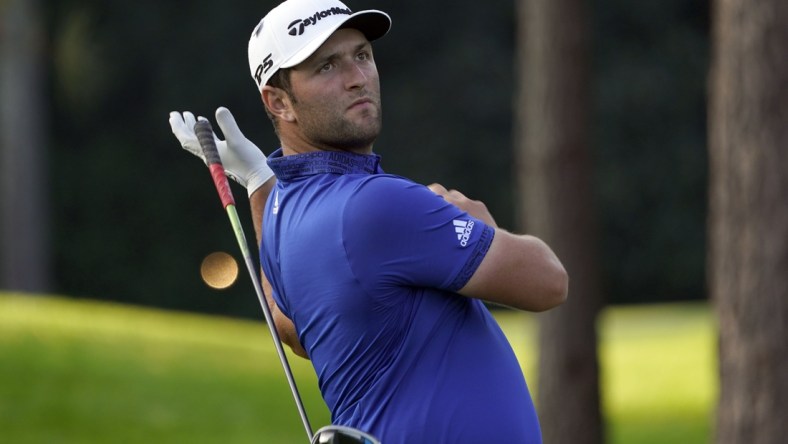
(131,215)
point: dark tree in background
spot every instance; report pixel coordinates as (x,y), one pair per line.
(24,217)
(748,225)
(554,178)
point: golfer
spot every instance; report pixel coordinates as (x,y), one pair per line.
(378,280)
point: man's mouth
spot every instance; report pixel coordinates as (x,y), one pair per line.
(361,103)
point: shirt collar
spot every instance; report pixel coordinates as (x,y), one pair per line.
(322,162)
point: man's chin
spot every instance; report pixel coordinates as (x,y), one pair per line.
(361,141)
(367,130)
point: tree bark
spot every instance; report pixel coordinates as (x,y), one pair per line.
(24,222)
(747,258)
(554,180)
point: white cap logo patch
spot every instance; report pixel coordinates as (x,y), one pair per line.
(297,27)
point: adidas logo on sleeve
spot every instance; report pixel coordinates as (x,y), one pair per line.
(463,228)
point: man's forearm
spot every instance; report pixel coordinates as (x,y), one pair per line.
(257,204)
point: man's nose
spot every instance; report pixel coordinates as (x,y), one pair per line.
(356,77)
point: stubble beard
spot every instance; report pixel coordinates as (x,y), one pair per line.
(332,129)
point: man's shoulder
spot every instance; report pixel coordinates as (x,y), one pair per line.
(384,191)
(382,184)
(383,179)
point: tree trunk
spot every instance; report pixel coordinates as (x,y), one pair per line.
(24,221)
(554,179)
(748,222)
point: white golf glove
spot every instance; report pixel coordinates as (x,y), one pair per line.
(243,161)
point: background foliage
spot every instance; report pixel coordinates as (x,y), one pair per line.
(134,214)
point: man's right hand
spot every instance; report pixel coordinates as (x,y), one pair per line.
(475,208)
(243,161)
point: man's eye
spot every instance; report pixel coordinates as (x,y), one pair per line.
(325,68)
(363,56)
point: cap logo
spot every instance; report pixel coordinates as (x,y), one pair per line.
(263,68)
(296,27)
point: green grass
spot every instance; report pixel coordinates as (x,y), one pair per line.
(659,378)
(88,372)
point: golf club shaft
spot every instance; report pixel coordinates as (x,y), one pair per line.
(269,319)
(205,136)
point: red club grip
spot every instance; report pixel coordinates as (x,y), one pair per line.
(204,133)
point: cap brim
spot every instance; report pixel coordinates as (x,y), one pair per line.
(372,23)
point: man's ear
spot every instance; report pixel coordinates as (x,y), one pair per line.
(278,103)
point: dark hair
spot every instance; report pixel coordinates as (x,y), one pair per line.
(281,80)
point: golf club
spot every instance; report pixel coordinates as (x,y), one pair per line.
(331,434)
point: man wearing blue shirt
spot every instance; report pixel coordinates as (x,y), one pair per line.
(379,281)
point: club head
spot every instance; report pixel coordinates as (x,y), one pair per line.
(334,434)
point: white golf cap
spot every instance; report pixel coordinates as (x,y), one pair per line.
(292,31)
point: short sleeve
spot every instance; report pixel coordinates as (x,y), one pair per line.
(399,233)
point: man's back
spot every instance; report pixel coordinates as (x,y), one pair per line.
(366,266)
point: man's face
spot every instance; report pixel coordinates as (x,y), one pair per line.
(336,94)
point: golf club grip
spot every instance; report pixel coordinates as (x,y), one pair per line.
(204,133)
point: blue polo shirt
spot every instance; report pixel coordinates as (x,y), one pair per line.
(367,266)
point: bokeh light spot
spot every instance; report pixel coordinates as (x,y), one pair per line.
(219,270)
